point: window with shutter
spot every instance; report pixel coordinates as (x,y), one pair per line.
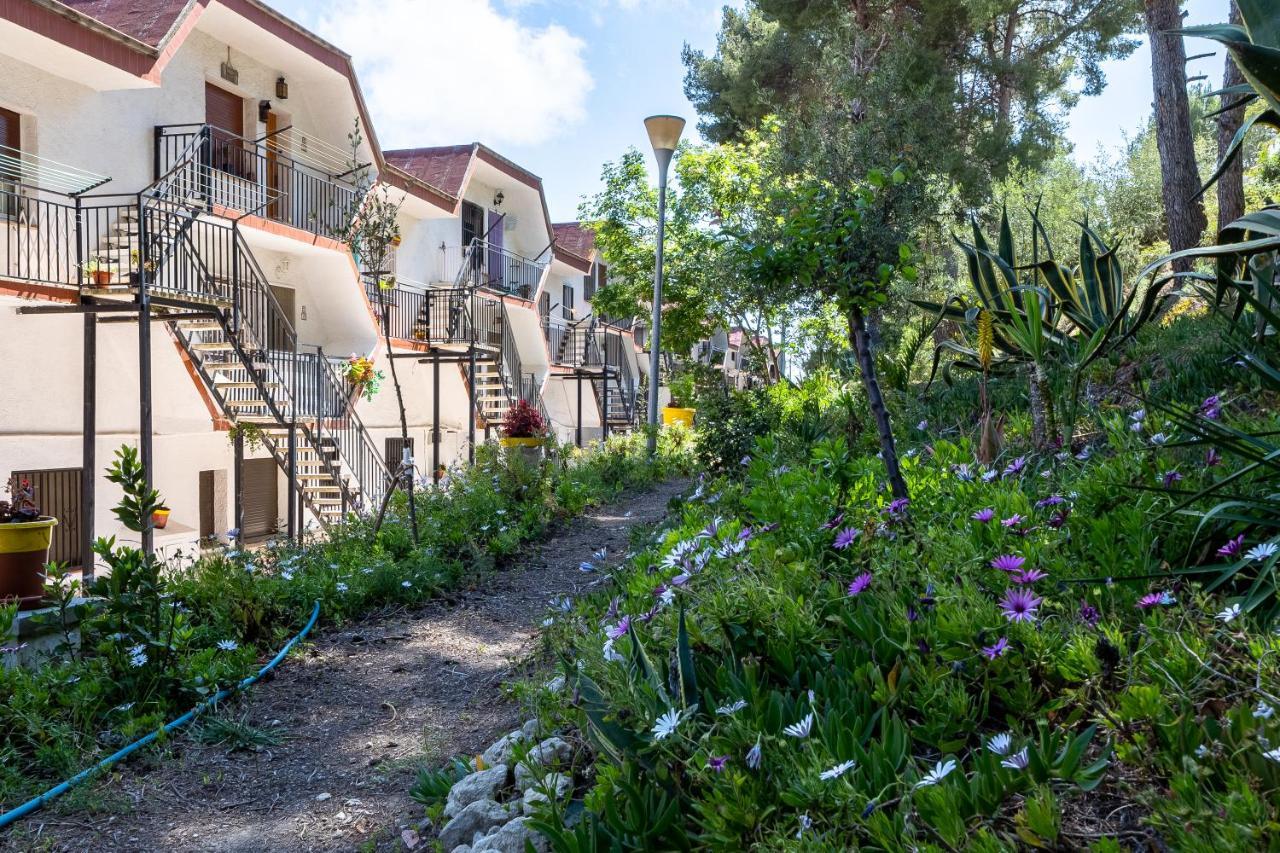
(11,139)
(261,502)
(224,113)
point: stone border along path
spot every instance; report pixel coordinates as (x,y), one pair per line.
(356,714)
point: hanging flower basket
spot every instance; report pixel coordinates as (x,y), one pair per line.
(362,376)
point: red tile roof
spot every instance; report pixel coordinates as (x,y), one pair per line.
(575,238)
(148,21)
(443,167)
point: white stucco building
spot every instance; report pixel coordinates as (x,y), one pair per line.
(175,179)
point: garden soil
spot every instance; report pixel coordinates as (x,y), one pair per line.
(356,714)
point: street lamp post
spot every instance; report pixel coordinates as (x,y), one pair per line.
(664,135)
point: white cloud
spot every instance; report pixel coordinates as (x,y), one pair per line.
(440,72)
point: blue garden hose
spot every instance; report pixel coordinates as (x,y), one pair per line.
(56,791)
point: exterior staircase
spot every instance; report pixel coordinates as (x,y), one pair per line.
(200,273)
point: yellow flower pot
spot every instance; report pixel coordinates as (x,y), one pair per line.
(24,550)
(528,449)
(677,415)
(521,442)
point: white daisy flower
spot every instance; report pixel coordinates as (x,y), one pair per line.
(1159,439)
(405,584)
(940,771)
(1230,613)
(666,724)
(732,708)
(340,587)
(806,823)
(1263,711)
(837,771)
(1202,751)
(1258,553)
(228,645)
(138,656)
(753,756)
(1017,761)
(800,729)
(1000,744)
(611,655)
(1273,754)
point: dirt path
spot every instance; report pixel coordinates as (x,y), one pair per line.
(357,714)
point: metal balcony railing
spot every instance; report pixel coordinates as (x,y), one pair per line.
(415,312)
(260,176)
(493,267)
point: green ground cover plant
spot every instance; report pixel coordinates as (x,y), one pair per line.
(166,635)
(1012,659)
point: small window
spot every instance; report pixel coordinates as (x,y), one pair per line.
(395,448)
(58,494)
(566,301)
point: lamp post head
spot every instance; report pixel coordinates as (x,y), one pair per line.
(664,136)
(664,132)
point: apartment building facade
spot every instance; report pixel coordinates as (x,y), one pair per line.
(175,180)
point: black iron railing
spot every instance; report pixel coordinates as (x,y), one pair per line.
(423,314)
(244,175)
(501,270)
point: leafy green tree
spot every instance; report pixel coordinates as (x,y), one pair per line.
(843,243)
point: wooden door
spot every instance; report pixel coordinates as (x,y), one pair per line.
(497,267)
(277,173)
(287,298)
(261,498)
(224,113)
(11,140)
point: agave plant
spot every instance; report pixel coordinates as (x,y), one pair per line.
(1024,317)
(1254,45)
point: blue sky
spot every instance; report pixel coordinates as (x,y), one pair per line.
(561,86)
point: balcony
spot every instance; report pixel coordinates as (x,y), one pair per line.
(262,176)
(422,314)
(495,268)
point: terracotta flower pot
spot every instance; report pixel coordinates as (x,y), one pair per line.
(24,551)
(101,278)
(677,415)
(160,517)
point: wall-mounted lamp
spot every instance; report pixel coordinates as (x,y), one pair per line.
(498,199)
(282,89)
(304,312)
(264,110)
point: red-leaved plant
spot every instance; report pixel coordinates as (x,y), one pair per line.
(524,421)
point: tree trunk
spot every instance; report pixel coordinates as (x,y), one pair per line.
(1231,181)
(867,366)
(1183,210)
(1035,400)
(404,423)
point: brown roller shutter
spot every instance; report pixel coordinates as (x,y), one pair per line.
(261,498)
(224,110)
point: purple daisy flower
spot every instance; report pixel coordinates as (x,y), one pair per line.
(1150,600)
(1012,521)
(1169,478)
(1089,614)
(1016,466)
(1052,500)
(1211,408)
(718,762)
(618,631)
(845,538)
(1059,518)
(1232,548)
(680,579)
(1008,562)
(1026,577)
(859,584)
(898,506)
(834,523)
(1020,605)
(912,615)
(994,651)
(1212,458)
(769,528)
(984,515)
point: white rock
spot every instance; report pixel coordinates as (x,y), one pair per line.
(482,785)
(556,684)
(511,838)
(480,816)
(500,751)
(558,783)
(320,798)
(551,751)
(530,729)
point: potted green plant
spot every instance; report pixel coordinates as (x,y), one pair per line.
(680,409)
(524,430)
(135,266)
(25,536)
(99,272)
